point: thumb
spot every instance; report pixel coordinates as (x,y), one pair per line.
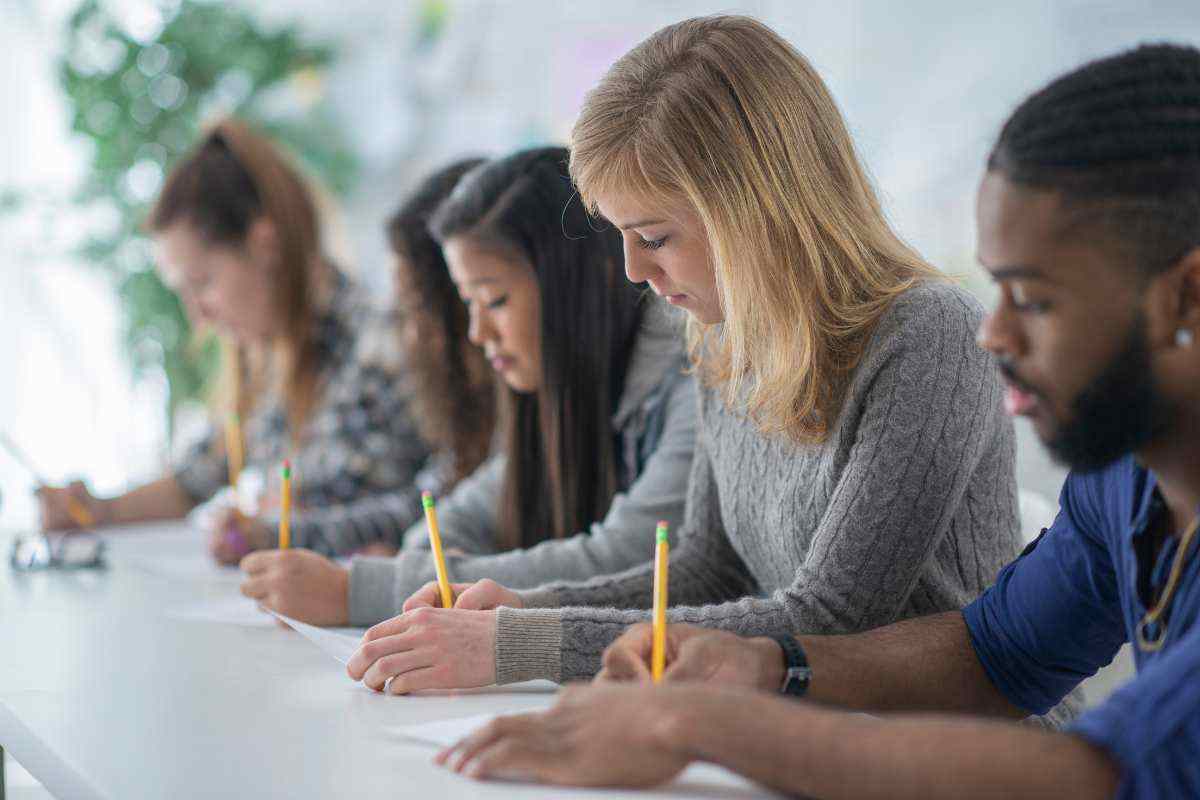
(470,597)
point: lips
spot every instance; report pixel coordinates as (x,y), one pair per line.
(501,363)
(1018,402)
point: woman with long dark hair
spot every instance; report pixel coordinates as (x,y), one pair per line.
(597,418)
(449,382)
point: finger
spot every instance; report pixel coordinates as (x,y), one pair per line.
(470,746)
(258,561)
(624,664)
(689,666)
(415,680)
(476,596)
(370,652)
(425,597)
(389,627)
(517,759)
(257,588)
(393,666)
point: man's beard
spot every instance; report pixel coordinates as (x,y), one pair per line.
(1119,412)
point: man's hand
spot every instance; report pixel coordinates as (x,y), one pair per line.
(593,736)
(299,584)
(483,595)
(428,648)
(697,655)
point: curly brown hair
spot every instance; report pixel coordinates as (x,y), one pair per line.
(454,402)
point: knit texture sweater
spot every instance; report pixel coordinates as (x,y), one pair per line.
(907,508)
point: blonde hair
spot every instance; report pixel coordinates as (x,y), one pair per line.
(723,114)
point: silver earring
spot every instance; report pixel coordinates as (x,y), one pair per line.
(1184,337)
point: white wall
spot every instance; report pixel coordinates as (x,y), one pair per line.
(924,85)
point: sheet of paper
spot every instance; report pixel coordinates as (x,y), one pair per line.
(199,567)
(336,642)
(698,780)
(230,611)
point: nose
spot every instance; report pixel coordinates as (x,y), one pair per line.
(999,332)
(639,266)
(480,330)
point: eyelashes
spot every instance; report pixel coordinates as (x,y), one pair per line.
(651,244)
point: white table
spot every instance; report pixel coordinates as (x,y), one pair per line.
(105,694)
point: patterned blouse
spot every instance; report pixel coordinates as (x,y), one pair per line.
(359,438)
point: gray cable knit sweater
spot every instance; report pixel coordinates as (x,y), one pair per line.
(909,507)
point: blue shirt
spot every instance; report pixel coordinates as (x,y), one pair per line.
(1060,612)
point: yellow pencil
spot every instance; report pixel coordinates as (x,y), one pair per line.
(435,542)
(234,451)
(658,655)
(285,507)
(78,511)
(233,447)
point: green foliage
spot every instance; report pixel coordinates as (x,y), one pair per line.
(141,102)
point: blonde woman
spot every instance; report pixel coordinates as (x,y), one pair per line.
(853,464)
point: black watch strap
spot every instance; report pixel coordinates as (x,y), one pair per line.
(797,674)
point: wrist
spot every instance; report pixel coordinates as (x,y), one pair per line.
(771,663)
(678,718)
(342,592)
(104,510)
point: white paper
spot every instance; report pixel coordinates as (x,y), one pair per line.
(448,731)
(698,780)
(230,611)
(336,643)
(189,568)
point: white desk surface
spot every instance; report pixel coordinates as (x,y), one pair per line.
(104,694)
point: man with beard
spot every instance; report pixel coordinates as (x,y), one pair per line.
(1089,222)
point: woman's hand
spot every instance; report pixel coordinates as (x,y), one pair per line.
(300,584)
(231,534)
(593,736)
(428,648)
(483,595)
(55,501)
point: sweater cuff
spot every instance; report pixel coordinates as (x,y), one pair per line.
(539,598)
(528,645)
(372,591)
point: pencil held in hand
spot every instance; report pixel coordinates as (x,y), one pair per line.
(285,507)
(76,509)
(658,655)
(435,543)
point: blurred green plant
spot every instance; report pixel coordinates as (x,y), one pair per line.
(140,88)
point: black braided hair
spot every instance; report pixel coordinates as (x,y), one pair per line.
(1120,138)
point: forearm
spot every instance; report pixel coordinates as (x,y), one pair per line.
(923,664)
(343,529)
(804,749)
(162,499)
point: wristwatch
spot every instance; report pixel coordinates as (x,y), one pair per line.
(796,672)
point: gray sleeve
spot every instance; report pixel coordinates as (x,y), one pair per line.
(338,530)
(466,521)
(933,407)
(467,517)
(622,539)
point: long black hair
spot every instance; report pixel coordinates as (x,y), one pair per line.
(562,461)
(1120,138)
(451,382)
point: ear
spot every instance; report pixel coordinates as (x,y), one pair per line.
(1189,291)
(262,244)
